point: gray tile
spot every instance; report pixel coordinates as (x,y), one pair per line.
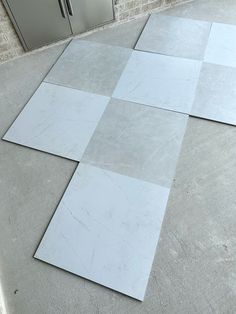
(58,120)
(123,35)
(138,141)
(159,81)
(216,94)
(90,67)
(210,10)
(106,229)
(221,48)
(175,36)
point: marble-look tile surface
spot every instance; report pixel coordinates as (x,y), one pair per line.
(106,229)
(138,141)
(175,36)
(203,186)
(216,94)
(159,81)
(58,120)
(221,48)
(90,66)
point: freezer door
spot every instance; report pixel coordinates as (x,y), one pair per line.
(40,22)
(86,14)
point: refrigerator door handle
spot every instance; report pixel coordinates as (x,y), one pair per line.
(62,8)
(69,7)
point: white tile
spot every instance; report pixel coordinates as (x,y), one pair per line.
(221,48)
(159,81)
(216,94)
(106,229)
(58,120)
(175,36)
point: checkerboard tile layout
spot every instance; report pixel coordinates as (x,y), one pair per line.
(181,37)
(128,169)
(58,120)
(106,229)
(159,81)
(90,66)
(175,36)
(214,43)
(129,148)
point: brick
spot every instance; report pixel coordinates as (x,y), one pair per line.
(9,43)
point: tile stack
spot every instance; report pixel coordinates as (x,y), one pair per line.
(122,114)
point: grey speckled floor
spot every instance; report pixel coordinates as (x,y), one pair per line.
(194,269)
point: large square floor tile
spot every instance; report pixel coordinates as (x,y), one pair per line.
(138,141)
(175,36)
(106,229)
(216,94)
(159,81)
(90,66)
(221,48)
(58,120)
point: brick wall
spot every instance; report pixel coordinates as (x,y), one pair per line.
(126,9)
(10,46)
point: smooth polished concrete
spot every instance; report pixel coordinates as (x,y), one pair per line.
(194,269)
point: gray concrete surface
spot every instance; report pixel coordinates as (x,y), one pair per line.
(196,258)
(195,266)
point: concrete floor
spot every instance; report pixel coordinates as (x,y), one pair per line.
(195,265)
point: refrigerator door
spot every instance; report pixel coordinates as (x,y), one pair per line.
(87,14)
(40,22)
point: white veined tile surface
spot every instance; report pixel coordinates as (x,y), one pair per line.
(58,120)
(175,36)
(221,48)
(106,229)
(159,81)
